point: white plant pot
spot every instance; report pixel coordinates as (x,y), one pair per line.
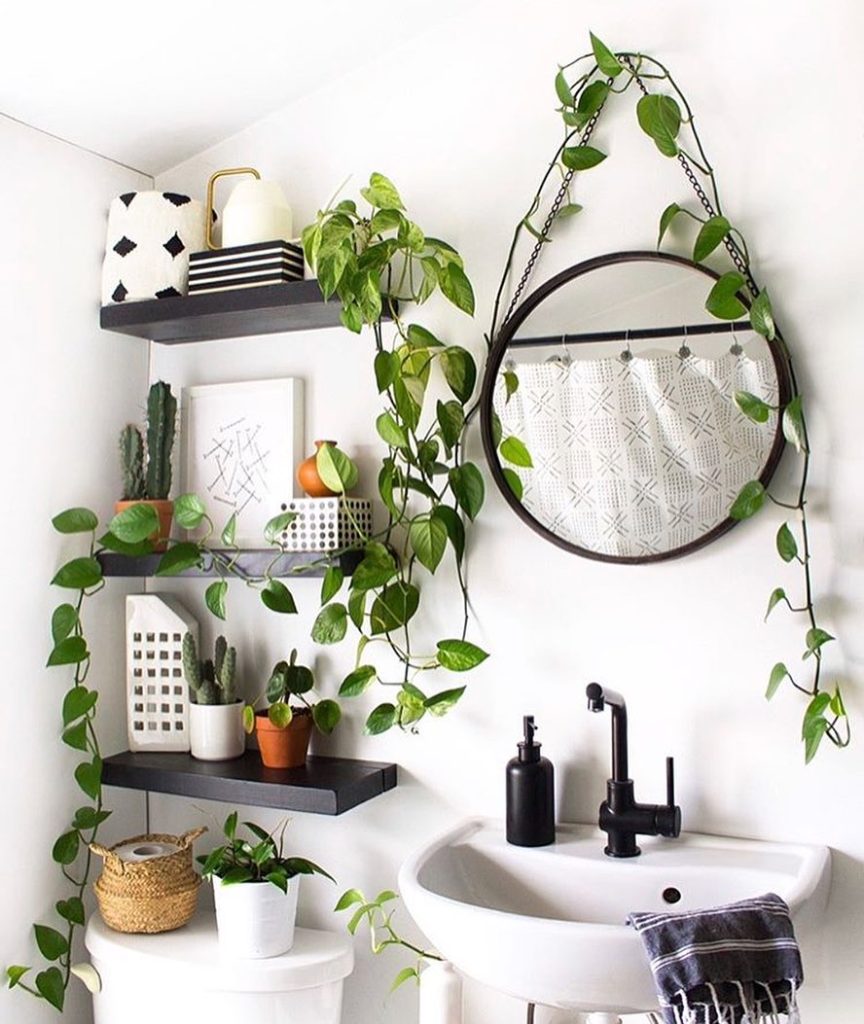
(440,994)
(255,919)
(216,731)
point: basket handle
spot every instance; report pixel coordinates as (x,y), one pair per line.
(108,855)
(188,838)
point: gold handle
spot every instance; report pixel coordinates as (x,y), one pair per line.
(211,185)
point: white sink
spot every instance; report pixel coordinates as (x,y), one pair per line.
(546,925)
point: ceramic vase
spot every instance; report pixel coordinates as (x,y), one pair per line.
(440,994)
(255,920)
(216,731)
(284,748)
(308,478)
(165,512)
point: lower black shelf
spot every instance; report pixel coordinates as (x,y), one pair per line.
(251,563)
(324,785)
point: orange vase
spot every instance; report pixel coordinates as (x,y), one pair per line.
(308,478)
(284,748)
(165,512)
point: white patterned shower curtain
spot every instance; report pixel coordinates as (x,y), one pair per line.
(640,457)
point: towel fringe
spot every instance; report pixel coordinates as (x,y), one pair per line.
(765,1009)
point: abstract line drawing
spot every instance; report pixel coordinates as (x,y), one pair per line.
(238,465)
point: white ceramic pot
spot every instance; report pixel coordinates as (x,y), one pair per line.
(440,994)
(256,211)
(255,919)
(216,731)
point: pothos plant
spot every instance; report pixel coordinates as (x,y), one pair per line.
(583,88)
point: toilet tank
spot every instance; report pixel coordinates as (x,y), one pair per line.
(181,976)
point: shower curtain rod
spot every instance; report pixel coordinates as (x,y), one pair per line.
(636,334)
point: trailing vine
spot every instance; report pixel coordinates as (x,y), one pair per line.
(583,88)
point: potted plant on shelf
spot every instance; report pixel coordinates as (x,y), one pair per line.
(215,712)
(147,469)
(255,888)
(283,729)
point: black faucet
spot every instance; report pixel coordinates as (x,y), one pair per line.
(621,818)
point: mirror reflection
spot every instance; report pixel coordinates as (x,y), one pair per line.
(617,390)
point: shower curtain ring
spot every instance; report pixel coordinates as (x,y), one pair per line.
(566,359)
(684,352)
(626,355)
(735,347)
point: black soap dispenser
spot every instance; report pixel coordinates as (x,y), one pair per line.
(530,794)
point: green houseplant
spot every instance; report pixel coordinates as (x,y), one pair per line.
(215,712)
(255,885)
(284,728)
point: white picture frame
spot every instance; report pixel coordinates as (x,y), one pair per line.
(241,444)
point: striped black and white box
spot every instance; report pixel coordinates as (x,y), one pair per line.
(245,266)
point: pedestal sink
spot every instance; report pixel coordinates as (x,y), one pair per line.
(546,925)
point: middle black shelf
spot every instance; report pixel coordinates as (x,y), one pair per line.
(253,563)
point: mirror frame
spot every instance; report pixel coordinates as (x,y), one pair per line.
(497,352)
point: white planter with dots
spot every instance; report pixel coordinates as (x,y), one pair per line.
(327,524)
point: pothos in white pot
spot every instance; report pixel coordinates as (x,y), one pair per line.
(255,887)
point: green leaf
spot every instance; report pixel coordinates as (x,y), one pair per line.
(137,550)
(723,301)
(454,526)
(75,520)
(214,598)
(787,548)
(230,826)
(71,651)
(348,899)
(326,715)
(460,655)
(385,220)
(278,598)
(442,702)
(606,59)
(762,316)
(468,488)
(229,531)
(750,499)
(793,425)
(515,451)
(451,420)
(711,234)
(660,118)
(457,288)
(369,298)
(777,595)
(50,985)
(331,625)
(420,337)
(275,527)
(408,394)
(666,218)
(778,674)
(816,639)
(79,574)
(351,317)
(380,720)
(65,849)
(15,973)
(87,818)
(382,193)
(394,606)
(816,729)
(513,482)
(568,210)
(88,775)
(280,715)
(563,90)
(136,523)
(189,511)
(179,558)
(76,736)
(405,975)
(358,681)
(581,158)
(460,371)
(52,945)
(63,621)
(428,537)
(77,703)
(376,569)
(592,98)
(390,432)
(387,366)
(336,470)
(332,583)
(511,384)
(248,719)
(752,406)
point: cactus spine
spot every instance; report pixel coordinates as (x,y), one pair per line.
(210,682)
(132,463)
(161,417)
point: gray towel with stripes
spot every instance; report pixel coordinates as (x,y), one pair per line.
(735,964)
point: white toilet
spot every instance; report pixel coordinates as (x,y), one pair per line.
(180,976)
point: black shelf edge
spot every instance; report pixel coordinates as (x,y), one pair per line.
(324,785)
(252,563)
(269,309)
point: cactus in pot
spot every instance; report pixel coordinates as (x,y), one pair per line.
(215,713)
(210,681)
(132,463)
(161,418)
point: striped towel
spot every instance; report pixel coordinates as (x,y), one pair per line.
(735,964)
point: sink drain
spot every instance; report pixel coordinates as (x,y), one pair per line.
(671,894)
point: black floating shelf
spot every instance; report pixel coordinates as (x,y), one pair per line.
(270,309)
(324,785)
(248,563)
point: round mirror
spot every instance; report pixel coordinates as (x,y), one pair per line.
(608,411)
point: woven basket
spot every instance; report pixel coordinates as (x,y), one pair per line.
(150,896)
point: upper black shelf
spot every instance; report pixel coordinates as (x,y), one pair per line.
(270,309)
(249,563)
(324,785)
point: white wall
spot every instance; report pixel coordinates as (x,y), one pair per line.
(68,389)
(463,122)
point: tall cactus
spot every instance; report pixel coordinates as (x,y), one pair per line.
(210,682)
(161,418)
(132,463)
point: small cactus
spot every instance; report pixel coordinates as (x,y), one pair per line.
(161,418)
(210,682)
(132,463)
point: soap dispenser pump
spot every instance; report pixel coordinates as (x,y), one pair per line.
(530,793)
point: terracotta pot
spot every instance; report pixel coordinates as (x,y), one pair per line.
(284,748)
(165,511)
(308,478)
